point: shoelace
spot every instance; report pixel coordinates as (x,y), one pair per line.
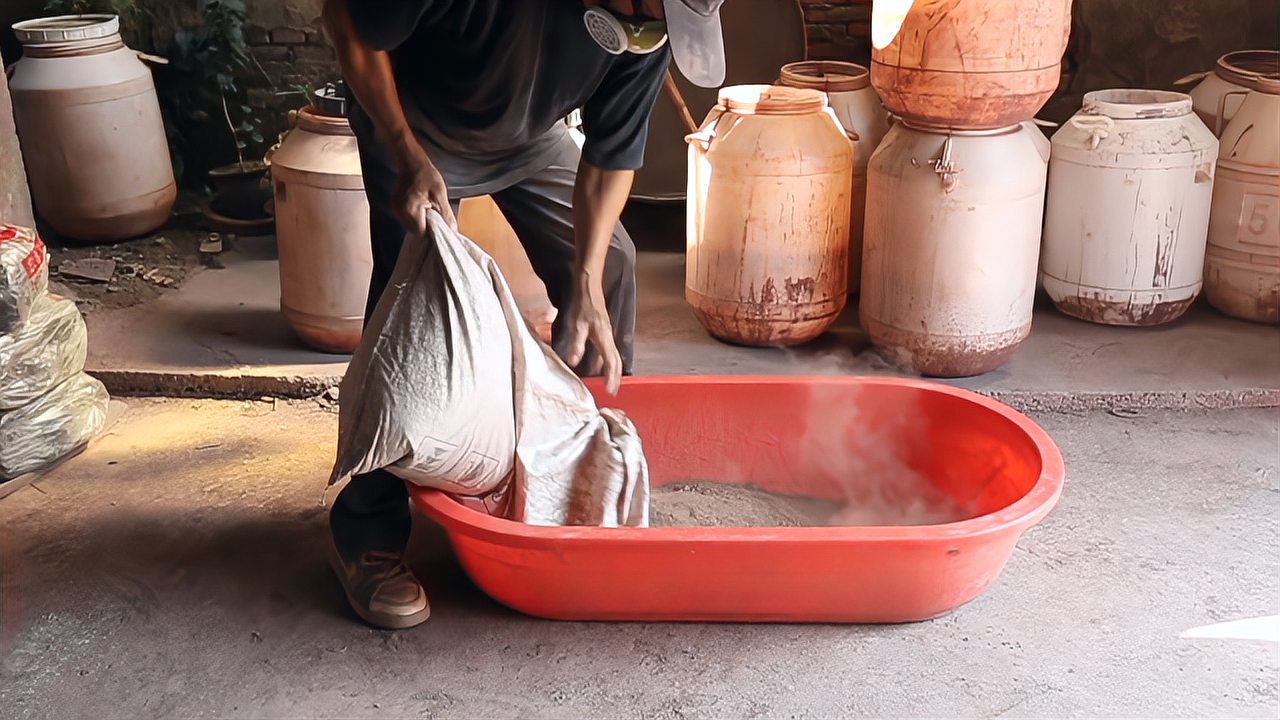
(379,565)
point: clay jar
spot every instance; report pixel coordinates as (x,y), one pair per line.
(973,64)
(770,181)
(322,228)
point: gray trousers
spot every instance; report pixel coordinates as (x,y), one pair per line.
(372,511)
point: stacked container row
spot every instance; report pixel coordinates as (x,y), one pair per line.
(955,193)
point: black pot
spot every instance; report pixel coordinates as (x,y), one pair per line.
(235,176)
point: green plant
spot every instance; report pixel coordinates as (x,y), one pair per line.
(212,58)
(295,89)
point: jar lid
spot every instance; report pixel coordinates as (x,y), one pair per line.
(66,28)
(826,75)
(1135,104)
(771,100)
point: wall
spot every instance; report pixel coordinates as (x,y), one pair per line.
(838,29)
(286,39)
(1153,43)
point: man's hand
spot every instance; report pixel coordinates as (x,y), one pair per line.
(419,189)
(598,197)
(589,321)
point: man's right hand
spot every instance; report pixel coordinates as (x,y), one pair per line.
(420,188)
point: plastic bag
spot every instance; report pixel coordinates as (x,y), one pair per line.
(450,389)
(24,274)
(42,352)
(44,430)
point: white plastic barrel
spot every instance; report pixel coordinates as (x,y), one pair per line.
(1130,183)
(90,128)
(951,244)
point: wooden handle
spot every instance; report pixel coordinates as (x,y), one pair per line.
(674,93)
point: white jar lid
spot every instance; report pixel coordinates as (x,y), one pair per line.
(66,28)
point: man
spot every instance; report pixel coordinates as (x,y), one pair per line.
(457,98)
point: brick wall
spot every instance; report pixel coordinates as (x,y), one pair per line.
(839,29)
(294,60)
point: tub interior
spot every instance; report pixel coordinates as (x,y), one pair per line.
(906,454)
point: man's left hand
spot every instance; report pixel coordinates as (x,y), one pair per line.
(589,322)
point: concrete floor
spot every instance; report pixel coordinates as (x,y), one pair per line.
(222,333)
(176,570)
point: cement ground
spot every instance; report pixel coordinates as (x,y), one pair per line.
(222,335)
(176,570)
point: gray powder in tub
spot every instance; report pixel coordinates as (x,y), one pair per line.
(714,504)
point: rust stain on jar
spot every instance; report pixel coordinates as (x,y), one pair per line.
(800,290)
(1122,313)
(950,357)
(769,293)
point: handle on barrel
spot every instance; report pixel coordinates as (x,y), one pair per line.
(1218,121)
(946,170)
(1098,126)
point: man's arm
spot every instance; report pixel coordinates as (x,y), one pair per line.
(616,122)
(598,198)
(367,72)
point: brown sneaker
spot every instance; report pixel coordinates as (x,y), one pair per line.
(382,590)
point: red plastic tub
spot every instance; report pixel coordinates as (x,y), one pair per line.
(814,436)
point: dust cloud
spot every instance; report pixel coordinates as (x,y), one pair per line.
(855,452)
(849,361)
(866,451)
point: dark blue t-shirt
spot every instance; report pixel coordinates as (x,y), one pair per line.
(486,85)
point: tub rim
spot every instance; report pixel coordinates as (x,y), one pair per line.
(1018,516)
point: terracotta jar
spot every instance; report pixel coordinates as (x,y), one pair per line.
(1130,183)
(1242,261)
(1220,92)
(91,133)
(858,108)
(322,228)
(973,64)
(770,181)
(951,245)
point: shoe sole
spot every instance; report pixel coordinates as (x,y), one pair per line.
(385,621)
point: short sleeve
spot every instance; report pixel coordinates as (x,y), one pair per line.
(615,119)
(386,24)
